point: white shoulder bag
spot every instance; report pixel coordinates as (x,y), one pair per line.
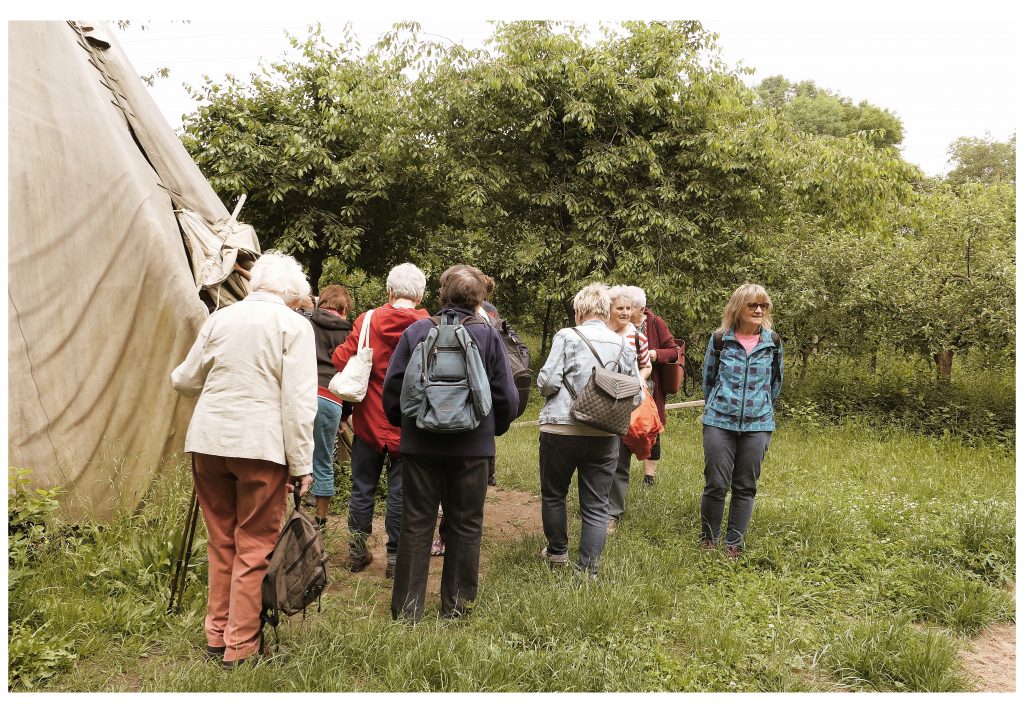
(350,383)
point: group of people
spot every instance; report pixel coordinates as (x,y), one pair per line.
(265,423)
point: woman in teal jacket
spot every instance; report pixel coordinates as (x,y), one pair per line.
(742,381)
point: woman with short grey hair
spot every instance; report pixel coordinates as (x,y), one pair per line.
(406,281)
(253,367)
(567,446)
(375,442)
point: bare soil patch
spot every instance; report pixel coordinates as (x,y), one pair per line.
(990,658)
(508,515)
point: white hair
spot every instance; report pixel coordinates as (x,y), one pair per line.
(281,275)
(593,301)
(638,296)
(406,281)
(620,292)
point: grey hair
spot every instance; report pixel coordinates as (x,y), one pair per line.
(281,275)
(620,292)
(593,301)
(406,281)
(638,296)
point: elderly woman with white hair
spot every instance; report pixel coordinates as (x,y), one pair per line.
(624,309)
(375,443)
(253,367)
(567,446)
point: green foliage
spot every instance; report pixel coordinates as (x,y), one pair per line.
(891,655)
(983,160)
(822,112)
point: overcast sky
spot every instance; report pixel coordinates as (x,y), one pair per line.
(946,70)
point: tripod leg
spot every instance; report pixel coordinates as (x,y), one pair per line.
(181,552)
(193,518)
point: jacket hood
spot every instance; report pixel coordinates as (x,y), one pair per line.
(388,322)
(327,320)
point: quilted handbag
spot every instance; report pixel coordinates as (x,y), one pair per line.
(607,401)
(350,383)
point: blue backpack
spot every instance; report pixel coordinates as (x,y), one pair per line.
(446,389)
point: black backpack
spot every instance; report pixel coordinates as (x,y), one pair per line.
(718,343)
(297,574)
(519,360)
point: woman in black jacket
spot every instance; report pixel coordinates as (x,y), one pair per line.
(330,328)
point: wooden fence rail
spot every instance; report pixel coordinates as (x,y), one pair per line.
(668,407)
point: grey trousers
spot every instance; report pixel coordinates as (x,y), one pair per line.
(620,483)
(732,461)
(593,458)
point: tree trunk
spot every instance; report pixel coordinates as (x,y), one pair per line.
(805,356)
(944,366)
(316,270)
(547,330)
(873,363)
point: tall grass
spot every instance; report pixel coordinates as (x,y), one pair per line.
(869,559)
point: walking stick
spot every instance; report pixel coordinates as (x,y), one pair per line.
(184,555)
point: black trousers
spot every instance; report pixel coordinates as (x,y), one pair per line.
(459,485)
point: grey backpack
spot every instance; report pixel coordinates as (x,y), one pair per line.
(446,389)
(297,574)
(608,399)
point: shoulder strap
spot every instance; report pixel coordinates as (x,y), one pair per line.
(776,356)
(597,356)
(717,344)
(364,331)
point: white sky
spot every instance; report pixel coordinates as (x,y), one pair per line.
(947,69)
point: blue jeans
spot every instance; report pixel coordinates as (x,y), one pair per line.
(732,461)
(594,459)
(325,435)
(366,467)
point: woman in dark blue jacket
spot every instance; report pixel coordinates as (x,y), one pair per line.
(742,381)
(447,468)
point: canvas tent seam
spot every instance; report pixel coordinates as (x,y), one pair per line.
(32,375)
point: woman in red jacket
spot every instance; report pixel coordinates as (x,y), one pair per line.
(375,441)
(662,351)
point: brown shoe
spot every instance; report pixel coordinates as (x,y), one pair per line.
(732,552)
(707,545)
(358,562)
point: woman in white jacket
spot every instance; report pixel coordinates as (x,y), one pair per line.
(253,367)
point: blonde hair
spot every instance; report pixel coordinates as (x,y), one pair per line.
(593,301)
(744,294)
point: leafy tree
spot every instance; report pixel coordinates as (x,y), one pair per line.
(983,160)
(324,148)
(822,112)
(952,276)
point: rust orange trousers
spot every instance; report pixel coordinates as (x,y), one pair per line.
(243,503)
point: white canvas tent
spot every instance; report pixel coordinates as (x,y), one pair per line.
(111,226)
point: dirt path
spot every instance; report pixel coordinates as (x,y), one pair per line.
(508,515)
(991,658)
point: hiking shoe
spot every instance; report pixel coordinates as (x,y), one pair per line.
(437,548)
(263,652)
(358,561)
(707,545)
(732,552)
(491,481)
(648,480)
(321,523)
(389,568)
(613,525)
(554,560)
(215,653)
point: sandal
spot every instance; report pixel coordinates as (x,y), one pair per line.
(437,548)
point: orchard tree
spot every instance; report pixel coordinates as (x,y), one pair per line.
(983,160)
(822,112)
(325,149)
(953,274)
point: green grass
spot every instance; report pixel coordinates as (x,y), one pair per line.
(870,559)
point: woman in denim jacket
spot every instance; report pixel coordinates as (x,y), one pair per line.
(567,445)
(741,385)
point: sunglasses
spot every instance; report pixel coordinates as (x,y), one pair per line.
(754,305)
